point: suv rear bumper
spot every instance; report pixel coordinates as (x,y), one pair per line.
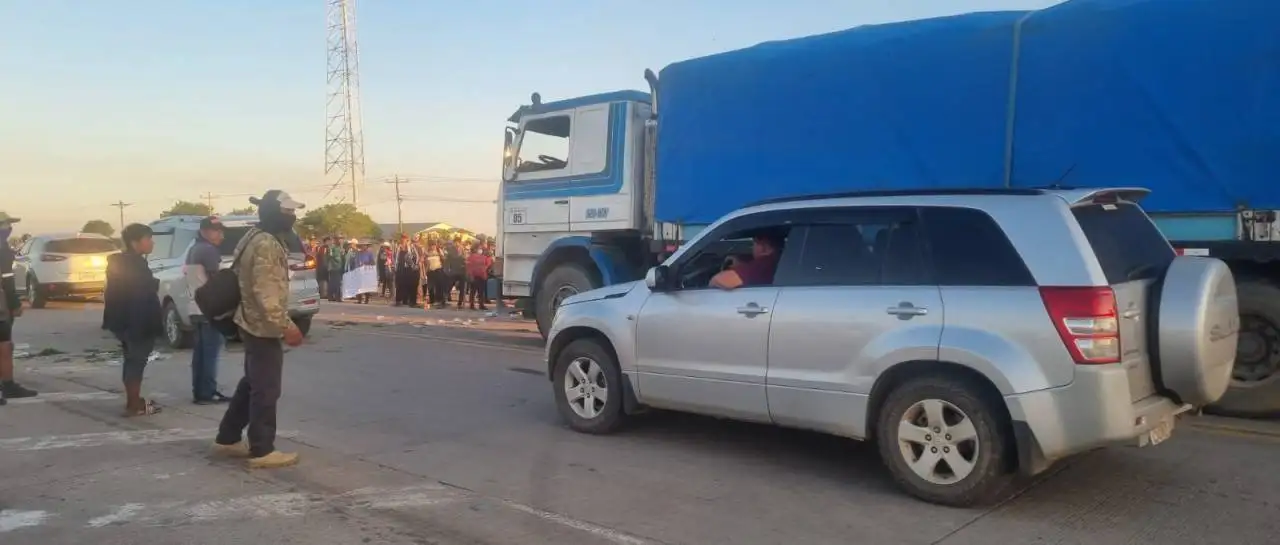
(62,289)
(1091,412)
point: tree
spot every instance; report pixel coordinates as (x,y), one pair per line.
(338,219)
(246,211)
(187,208)
(99,227)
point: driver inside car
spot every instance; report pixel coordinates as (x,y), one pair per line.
(757,271)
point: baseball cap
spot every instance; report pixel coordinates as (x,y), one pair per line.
(6,218)
(211,222)
(287,203)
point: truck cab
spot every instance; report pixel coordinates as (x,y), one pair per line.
(572,200)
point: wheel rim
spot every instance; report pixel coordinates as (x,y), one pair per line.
(1258,352)
(562,293)
(938,441)
(171,325)
(585,387)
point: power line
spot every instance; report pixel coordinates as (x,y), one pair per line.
(423,198)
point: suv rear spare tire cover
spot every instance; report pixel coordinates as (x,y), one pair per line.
(1198,326)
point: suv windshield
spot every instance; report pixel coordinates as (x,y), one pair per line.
(1126,242)
(80,246)
(232,236)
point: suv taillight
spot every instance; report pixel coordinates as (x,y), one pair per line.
(52,257)
(1087,320)
(306,265)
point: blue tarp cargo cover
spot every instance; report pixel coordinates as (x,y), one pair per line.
(1180,96)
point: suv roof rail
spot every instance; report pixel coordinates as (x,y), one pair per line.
(903,193)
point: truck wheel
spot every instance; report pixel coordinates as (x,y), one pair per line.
(1255,379)
(565,280)
(944,443)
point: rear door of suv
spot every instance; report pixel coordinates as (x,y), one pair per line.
(1133,254)
(856,298)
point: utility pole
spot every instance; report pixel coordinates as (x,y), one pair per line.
(399,199)
(121,205)
(208,200)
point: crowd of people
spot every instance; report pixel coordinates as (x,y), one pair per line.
(411,269)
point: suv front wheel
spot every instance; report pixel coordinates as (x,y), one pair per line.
(588,387)
(944,443)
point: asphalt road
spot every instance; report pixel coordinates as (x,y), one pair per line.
(416,431)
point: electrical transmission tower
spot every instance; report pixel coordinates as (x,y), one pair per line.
(344,138)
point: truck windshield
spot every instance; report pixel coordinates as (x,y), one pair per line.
(1126,242)
(545,144)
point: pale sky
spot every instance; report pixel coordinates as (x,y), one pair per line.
(152,101)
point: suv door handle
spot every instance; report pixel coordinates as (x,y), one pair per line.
(752,310)
(906,311)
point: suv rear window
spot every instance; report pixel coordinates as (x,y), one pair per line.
(232,236)
(80,246)
(1126,242)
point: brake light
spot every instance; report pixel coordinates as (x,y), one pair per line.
(306,265)
(52,257)
(1087,320)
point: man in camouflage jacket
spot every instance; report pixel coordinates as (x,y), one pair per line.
(263,320)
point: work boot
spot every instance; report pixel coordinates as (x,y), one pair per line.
(236,450)
(274,460)
(12,390)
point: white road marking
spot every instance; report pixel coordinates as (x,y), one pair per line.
(137,437)
(11,520)
(273,506)
(56,397)
(121,514)
(616,536)
(64,396)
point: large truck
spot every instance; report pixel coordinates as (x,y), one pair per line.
(1179,96)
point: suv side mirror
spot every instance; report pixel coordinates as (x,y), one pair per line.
(658,278)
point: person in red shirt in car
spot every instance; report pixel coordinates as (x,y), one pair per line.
(757,271)
(477,277)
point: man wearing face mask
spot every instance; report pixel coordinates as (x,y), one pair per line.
(263,320)
(10,310)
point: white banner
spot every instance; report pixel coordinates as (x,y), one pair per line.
(359,280)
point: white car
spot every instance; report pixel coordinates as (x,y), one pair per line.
(61,265)
(174,236)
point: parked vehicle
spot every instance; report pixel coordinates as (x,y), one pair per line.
(61,265)
(174,236)
(593,197)
(970,333)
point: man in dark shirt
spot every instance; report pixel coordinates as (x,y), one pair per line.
(758,271)
(10,310)
(203,261)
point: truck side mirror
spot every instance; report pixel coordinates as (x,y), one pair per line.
(508,154)
(658,278)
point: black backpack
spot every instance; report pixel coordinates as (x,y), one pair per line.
(219,298)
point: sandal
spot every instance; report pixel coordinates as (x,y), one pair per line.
(149,408)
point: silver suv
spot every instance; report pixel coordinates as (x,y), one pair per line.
(174,236)
(973,334)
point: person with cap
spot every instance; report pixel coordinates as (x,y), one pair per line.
(131,309)
(10,310)
(203,260)
(263,321)
(385,258)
